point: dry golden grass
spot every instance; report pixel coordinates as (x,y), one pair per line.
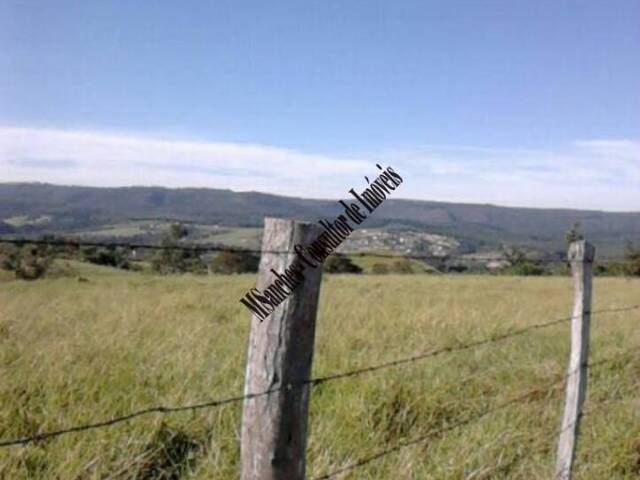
(75,352)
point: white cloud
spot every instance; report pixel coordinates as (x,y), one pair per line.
(619,149)
(589,175)
(109,159)
(598,174)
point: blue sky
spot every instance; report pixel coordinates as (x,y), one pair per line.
(531,103)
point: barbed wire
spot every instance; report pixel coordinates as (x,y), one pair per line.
(204,248)
(556,432)
(471,419)
(163,409)
(310,382)
(465,346)
(207,248)
(126,418)
(436,432)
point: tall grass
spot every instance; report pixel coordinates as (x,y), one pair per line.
(75,352)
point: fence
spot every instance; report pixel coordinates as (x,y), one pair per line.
(278,380)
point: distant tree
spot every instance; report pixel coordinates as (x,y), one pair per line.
(177,231)
(514,255)
(341,264)
(234,262)
(520,264)
(573,234)
(174,258)
(379,268)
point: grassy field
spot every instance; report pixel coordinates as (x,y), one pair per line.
(366,263)
(239,237)
(73,352)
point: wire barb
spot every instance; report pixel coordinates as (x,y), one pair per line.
(310,382)
(466,421)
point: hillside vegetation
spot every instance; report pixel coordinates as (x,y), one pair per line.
(75,352)
(39,208)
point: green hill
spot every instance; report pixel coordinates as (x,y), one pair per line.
(33,208)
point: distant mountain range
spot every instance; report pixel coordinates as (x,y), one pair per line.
(34,208)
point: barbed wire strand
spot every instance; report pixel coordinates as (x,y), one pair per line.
(466,346)
(556,432)
(463,422)
(163,409)
(311,382)
(436,432)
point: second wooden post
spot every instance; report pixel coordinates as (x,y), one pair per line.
(581,255)
(279,358)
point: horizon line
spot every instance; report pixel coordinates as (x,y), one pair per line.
(319,199)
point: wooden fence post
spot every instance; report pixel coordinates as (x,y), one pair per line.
(280,353)
(581,255)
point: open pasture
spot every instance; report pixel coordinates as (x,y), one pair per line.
(74,352)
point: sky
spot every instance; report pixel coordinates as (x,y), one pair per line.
(507,102)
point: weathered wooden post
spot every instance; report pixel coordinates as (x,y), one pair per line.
(280,353)
(581,256)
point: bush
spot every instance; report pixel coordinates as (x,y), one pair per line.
(178,259)
(629,267)
(234,262)
(615,269)
(402,266)
(110,257)
(520,264)
(379,268)
(633,260)
(29,262)
(456,268)
(8,256)
(527,269)
(341,264)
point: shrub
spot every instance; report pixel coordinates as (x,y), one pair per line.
(514,255)
(630,266)
(179,259)
(520,265)
(177,231)
(341,264)
(8,256)
(632,255)
(234,262)
(379,268)
(457,268)
(616,269)
(29,262)
(110,257)
(526,269)
(402,266)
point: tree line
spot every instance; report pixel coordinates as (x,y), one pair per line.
(31,261)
